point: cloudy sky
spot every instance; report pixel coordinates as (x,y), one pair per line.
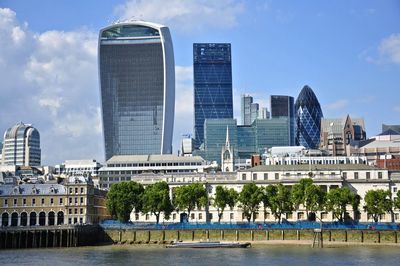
(347,51)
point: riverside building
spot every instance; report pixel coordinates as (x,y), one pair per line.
(283,106)
(137,84)
(75,201)
(358,177)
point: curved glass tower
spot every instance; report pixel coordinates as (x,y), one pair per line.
(137,84)
(308,119)
(22,146)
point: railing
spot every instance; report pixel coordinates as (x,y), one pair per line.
(112,224)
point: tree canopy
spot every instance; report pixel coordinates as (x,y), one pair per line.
(338,199)
(224,197)
(188,197)
(156,200)
(250,198)
(311,196)
(123,198)
(279,200)
(378,202)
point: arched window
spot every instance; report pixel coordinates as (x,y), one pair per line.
(42,218)
(14,219)
(60,218)
(51,218)
(24,219)
(4,219)
(32,218)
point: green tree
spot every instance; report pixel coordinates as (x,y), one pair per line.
(279,200)
(311,196)
(396,201)
(123,198)
(224,197)
(337,200)
(156,200)
(250,198)
(378,202)
(188,197)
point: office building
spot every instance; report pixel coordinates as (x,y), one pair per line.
(137,82)
(212,76)
(249,110)
(79,167)
(336,134)
(263,113)
(21,146)
(308,119)
(283,106)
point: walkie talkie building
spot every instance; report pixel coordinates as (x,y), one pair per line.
(137,84)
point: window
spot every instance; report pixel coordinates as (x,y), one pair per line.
(70,200)
(76,200)
(33,202)
(210,216)
(61,201)
(147,217)
(265,176)
(51,201)
(81,200)
(289,215)
(368,175)
(379,175)
(24,202)
(82,190)
(6,202)
(396,216)
(69,211)
(75,211)
(243,176)
(174,216)
(70,190)
(76,190)
(81,220)
(276,176)
(300,216)
(192,216)
(200,216)
(355,175)
(324,215)
(395,189)
(136,216)
(254,176)
(81,210)
(69,220)
(42,201)
(231,216)
(15,202)
(344,175)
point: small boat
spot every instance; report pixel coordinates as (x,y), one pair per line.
(208,244)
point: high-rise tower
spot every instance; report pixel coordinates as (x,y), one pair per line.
(308,119)
(22,146)
(249,110)
(212,72)
(283,106)
(137,83)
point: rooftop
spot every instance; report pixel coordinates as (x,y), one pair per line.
(314,167)
(152,158)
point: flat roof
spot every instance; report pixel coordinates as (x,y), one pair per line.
(314,167)
(153,158)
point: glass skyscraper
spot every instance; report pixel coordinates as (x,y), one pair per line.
(212,71)
(21,146)
(249,110)
(283,106)
(137,83)
(308,119)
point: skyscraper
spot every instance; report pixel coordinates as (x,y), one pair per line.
(21,146)
(137,82)
(249,110)
(308,119)
(212,71)
(283,106)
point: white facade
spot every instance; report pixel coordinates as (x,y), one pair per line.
(358,178)
(79,167)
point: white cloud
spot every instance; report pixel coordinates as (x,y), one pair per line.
(49,79)
(389,48)
(183,15)
(339,104)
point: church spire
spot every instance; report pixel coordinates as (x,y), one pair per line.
(227,144)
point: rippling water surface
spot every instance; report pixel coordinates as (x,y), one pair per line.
(157,255)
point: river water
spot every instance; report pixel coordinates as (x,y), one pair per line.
(157,255)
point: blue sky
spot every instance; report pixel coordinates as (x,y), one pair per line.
(347,51)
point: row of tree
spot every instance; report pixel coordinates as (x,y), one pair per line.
(279,199)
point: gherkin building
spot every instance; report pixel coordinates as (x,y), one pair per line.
(308,119)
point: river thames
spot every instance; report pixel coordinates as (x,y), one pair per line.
(157,255)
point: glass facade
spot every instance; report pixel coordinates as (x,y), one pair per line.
(283,106)
(249,110)
(308,119)
(212,73)
(22,146)
(245,140)
(137,89)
